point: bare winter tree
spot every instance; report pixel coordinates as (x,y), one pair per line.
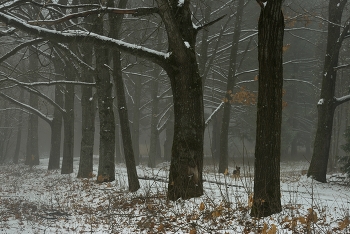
(328,102)
(267,195)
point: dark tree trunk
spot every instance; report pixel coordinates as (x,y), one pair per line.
(118,146)
(154,152)
(19,132)
(88,106)
(154,118)
(217,123)
(32,154)
(68,126)
(133,181)
(136,120)
(231,80)
(327,104)
(185,177)
(56,131)
(267,195)
(169,137)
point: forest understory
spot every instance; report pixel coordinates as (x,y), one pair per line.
(34,200)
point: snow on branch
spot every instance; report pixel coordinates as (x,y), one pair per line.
(102,10)
(342,66)
(79,36)
(48,83)
(214,113)
(28,107)
(342,100)
(7,32)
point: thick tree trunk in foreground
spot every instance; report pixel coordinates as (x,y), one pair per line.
(267,195)
(231,81)
(327,103)
(185,177)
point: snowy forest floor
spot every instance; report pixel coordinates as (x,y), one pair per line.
(34,200)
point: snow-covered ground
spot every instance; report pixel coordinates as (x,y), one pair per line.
(40,201)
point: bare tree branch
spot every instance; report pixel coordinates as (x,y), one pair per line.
(79,36)
(102,10)
(211,23)
(19,47)
(27,107)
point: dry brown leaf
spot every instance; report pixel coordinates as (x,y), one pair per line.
(273,229)
(250,200)
(343,224)
(201,206)
(193,231)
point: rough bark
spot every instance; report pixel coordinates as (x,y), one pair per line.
(327,104)
(88,106)
(231,80)
(267,196)
(185,177)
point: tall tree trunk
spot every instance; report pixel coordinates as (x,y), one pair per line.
(133,181)
(56,131)
(88,106)
(169,136)
(68,126)
(267,195)
(231,80)
(154,118)
(327,104)
(136,120)
(19,132)
(32,153)
(185,175)
(118,146)
(154,140)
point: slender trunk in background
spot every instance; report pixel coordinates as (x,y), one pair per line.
(68,126)
(169,136)
(154,141)
(19,131)
(118,146)
(32,153)
(133,180)
(56,130)
(231,81)
(136,119)
(267,194)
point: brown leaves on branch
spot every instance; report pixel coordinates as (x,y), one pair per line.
(243,96)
